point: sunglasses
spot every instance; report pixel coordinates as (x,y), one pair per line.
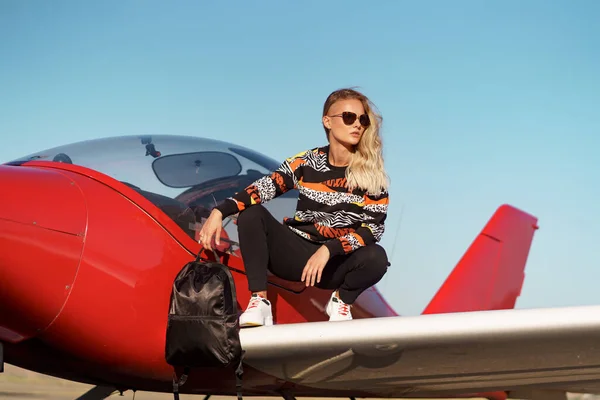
(349,118)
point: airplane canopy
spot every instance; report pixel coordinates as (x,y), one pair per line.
(193,172)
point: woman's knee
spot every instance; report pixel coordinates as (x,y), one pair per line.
(376,260)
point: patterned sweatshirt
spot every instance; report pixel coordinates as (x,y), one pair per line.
(327,212)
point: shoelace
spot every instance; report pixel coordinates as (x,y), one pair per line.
(253,302)
(344,308)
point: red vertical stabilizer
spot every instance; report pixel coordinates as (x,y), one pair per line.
(490,274)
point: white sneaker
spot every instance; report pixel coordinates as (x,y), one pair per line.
(258,312)
(337,309)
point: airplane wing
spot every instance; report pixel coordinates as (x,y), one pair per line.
(435,355)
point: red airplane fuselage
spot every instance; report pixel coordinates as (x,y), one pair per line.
(87,266)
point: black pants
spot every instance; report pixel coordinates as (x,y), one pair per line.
(267,243)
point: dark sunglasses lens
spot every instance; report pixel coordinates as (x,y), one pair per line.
(348,117)
(364,120)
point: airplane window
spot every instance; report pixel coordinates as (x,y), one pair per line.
(184,176)
(186,170)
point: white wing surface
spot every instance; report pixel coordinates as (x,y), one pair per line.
(435,355)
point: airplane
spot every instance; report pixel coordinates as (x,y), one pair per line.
(93,233)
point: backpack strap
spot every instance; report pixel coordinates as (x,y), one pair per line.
(239,372)
(199,255)
(178,382)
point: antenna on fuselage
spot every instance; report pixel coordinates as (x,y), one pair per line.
(391,256)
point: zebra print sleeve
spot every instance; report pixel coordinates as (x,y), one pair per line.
(266,188)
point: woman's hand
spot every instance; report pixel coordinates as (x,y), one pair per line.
(315,265)
(212,226)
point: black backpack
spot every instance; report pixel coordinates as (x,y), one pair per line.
(203,325)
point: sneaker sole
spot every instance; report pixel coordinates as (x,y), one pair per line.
(249,324)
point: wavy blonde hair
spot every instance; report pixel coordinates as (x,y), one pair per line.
(366,169)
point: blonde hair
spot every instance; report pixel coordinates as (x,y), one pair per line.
(366,169)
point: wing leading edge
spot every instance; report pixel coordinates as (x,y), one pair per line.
(435,355)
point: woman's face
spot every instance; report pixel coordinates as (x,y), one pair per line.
(348,135)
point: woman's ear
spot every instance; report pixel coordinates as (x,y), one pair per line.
(326,122)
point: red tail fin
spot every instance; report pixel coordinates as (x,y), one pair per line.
(491,273)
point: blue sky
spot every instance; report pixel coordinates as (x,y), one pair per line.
(483,103)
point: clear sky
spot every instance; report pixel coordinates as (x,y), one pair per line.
(484,103)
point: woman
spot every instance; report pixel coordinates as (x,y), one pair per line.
(331,242)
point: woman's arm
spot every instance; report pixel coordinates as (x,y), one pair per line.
(266,188)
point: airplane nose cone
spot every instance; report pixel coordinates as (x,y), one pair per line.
(43,219)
